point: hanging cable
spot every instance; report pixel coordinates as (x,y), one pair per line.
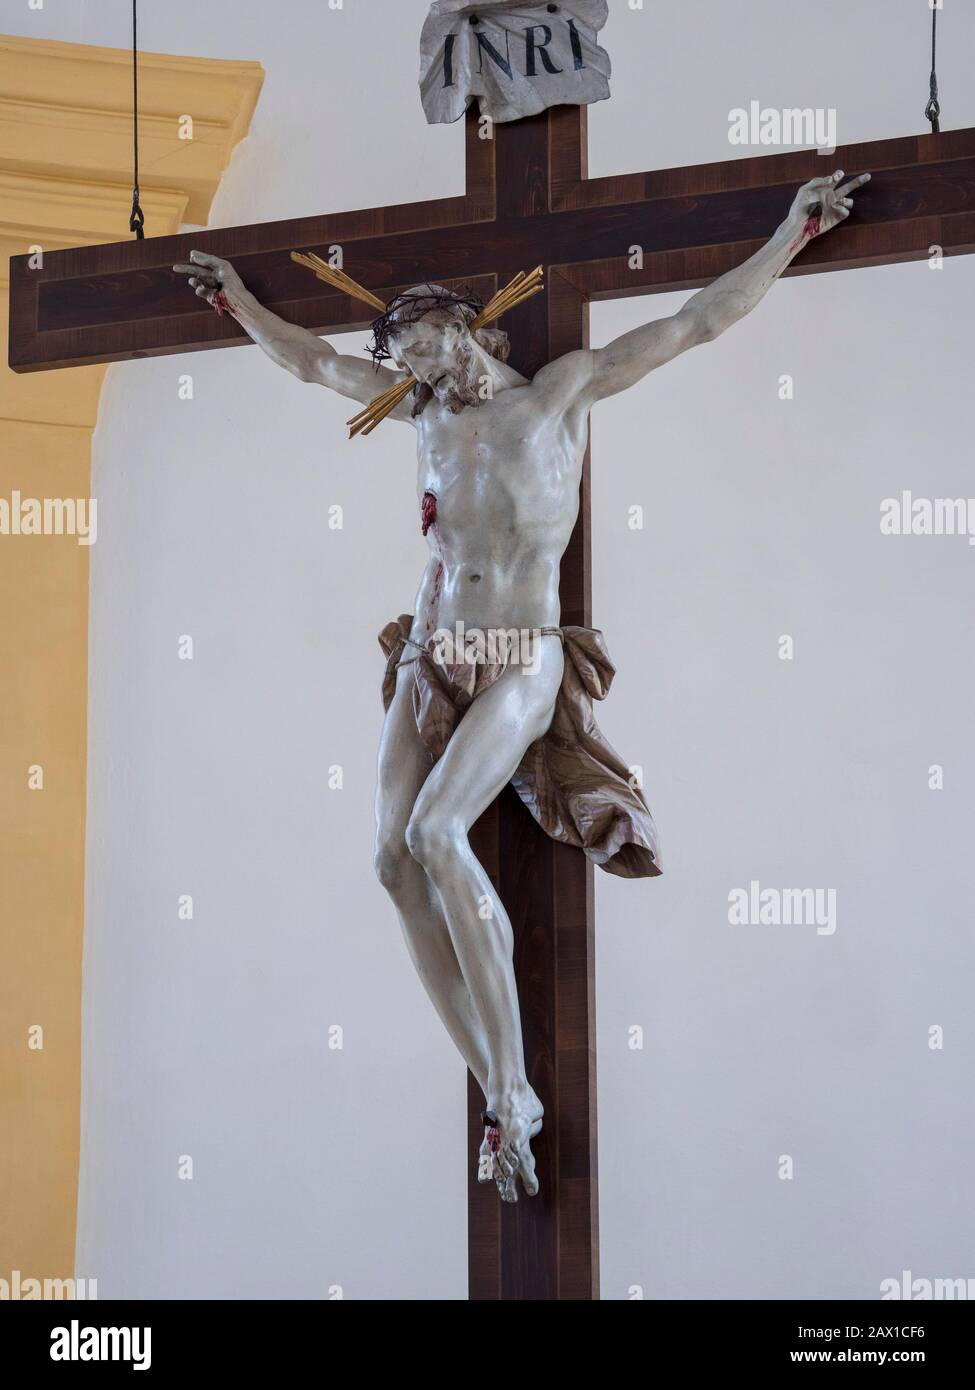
(137,218)
(933,108)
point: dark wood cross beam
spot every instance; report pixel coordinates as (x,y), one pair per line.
(528,201)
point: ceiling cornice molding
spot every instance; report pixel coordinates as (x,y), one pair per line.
(66,111)
(66,168)
(49,212)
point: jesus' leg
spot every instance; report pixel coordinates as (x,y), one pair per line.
(482,756)
(403,767)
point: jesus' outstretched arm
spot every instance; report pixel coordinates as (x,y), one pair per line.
(590,375)
(297,349)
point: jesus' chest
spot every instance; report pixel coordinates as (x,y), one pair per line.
(496,469)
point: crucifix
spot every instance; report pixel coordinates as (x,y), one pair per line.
(528,201)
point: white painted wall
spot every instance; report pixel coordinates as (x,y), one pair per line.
(209,777)
(762,519)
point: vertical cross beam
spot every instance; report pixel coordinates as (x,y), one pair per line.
(544,1247)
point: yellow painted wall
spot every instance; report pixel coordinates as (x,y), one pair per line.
(43,673)
(65,179)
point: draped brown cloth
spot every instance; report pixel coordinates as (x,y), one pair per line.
(572,781)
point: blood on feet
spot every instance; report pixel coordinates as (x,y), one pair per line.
(492,1141)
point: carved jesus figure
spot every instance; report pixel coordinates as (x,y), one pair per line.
(500,460)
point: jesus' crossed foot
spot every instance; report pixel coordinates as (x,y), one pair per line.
(505,1153)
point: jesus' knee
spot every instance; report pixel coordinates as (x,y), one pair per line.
(393,862)
(434,837)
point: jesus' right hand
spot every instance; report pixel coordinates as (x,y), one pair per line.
(209,276)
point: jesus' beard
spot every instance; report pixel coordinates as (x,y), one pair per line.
(461,388)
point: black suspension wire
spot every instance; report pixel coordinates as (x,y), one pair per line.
(137,218)
(933,108)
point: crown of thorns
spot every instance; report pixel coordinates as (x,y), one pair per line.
(408,308)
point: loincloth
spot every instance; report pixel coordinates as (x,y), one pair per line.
(572,781)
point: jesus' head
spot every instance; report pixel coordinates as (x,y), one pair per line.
(426,331)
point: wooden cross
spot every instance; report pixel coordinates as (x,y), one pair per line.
(528,200)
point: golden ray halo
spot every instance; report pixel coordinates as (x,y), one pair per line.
(523,286)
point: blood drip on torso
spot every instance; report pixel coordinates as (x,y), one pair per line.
(428,519)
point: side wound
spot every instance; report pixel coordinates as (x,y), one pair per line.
(428,511)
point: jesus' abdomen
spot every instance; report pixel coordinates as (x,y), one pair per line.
(498,495)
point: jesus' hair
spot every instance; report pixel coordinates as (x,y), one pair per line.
(429,299)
